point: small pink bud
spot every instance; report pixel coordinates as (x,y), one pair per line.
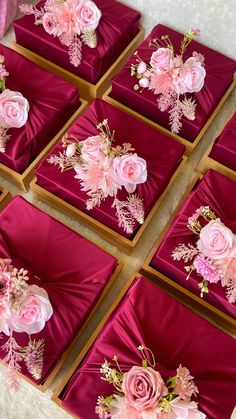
(144,82)
(70,150)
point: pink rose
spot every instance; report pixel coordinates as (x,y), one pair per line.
(185,410)
(217,241)
(143,387)
(91,149)
(36,310)
(14,108)
(50,24)
(129,171)
(161,59)
(88,15)
(191,76)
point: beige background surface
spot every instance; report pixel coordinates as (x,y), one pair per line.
(216,19)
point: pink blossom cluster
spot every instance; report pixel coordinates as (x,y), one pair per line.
(68,19)
(103,170)
(215,260)
(171,77)
(143,394)
(23,308)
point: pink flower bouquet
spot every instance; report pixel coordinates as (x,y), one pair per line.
(141,393)
(103,170)
(72,21)
(171,78)
(214,256)
(23,309)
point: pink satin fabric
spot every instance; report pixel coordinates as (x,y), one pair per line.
(224,148)
(162,154)
(217,191)
(8,10)
(219,75)
(117,27)
(176,335)
(52,102)
(71,269)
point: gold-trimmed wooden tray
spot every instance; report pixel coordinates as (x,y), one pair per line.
(196,303)
(23,180)
(108,233)
(88,91)
(208,162)
(189,146)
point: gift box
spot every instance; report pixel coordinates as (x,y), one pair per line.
(8,10)
(218,84)
(75,273)
(217,191)
(222,155)
(49,112)
(145,314)
(118,35)
(164,158)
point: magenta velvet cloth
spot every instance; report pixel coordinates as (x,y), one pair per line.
(217,191)
(117,27)
(162,154)
(52,102)
(175,334)
(71,269)
(219,75)
(224,148)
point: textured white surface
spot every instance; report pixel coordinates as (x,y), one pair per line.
(216,19)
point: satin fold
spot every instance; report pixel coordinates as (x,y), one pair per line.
(218,192)
(162,154)
(219,76)
(224,147)
(71,269)
(52,102)
(117,27)
(149,316)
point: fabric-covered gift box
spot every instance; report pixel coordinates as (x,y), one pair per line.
(145,314)
(4,197)
(74,272)
(52,102)
(118,26)
(216,191)
(219,77)
(162,154)
(8,10)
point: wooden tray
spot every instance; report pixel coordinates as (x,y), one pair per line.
(23,180)
(88,91)
(189,146)
(5,197)
(209,163)
(196,303)
(100,228)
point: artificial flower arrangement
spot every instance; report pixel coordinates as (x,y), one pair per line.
(72,21)
(171,78)
(14,108)
(103,170)
(23,309)
(214,256)
(141,393)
